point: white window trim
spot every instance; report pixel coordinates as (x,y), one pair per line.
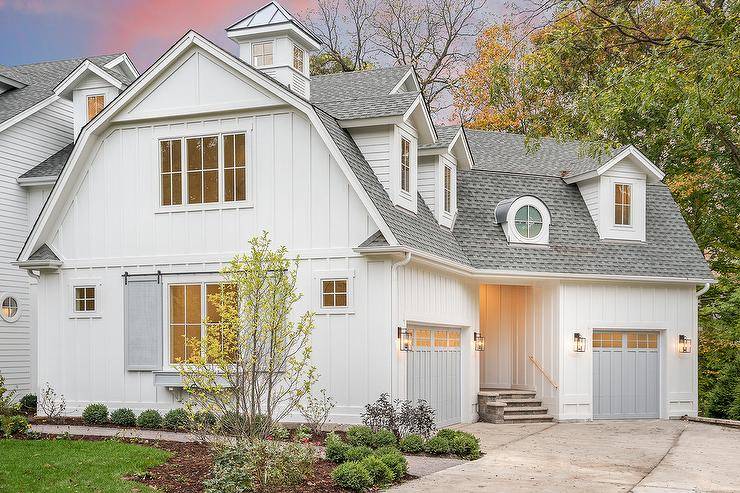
(18,312)
(261,42)
(221,204)
(327,275)
(87,100)
(513,236)
(631,225)
(85,283)
(303,59)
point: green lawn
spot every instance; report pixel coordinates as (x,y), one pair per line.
(74,465)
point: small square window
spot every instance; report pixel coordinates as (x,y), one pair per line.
(84,301)
(334,293)
(262,53)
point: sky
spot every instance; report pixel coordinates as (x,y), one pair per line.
(39,30)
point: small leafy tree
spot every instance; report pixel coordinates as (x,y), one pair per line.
(52,404)
(253,367)
(316,409)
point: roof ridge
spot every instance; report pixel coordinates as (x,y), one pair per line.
(66,59)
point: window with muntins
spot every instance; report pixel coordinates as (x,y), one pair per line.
(235,167)
(528,221)
(298,58)
(171,171)
(405,164)
(622,204)
(202,175)
(9,309)
(448,189)
(84,300)
(262,53)
(334,293)
(95,105)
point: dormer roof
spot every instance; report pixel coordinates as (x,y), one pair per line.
(268,18)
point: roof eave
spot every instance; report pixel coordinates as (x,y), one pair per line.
(65,86)
(652,170)
(48,265)
(36,181)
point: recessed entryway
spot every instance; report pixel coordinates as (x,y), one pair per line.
(433,371)
(626,374)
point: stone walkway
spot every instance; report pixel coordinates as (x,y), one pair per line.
(418,466)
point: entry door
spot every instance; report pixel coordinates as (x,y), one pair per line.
(626,374)
(433,371)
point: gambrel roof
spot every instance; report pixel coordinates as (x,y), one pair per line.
(40,79)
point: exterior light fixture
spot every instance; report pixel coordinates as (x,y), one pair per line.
(684,344)
(404,339)
(579,343)
(480,341)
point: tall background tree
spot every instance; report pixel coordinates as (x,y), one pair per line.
(663,75)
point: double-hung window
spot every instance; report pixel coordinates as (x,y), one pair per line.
(262,53)
(196,170)
(405,164)
(95,105)
(622,204)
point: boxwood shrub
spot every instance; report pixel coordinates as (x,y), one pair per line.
(355,454)
(29,403)
(149,419)
(412,444)
(13,425)
(395,461)
(438,445)
(123,417)
(360,435)
(352,475)
(176,419)
(384,438)
(379,471)
(466,446)
(95,414)
(335,448)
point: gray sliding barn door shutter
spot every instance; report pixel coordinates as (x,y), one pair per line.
(143,323)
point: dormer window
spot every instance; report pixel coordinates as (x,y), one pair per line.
(448,189)
(95,104)
(405,164)
(524,219)
(528,221)
(622,204)
(298,54)
(262,53)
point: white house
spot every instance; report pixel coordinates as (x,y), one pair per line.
(419,244)
(42,106)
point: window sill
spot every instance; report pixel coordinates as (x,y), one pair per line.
(335,311)
(214,206)
(83,316)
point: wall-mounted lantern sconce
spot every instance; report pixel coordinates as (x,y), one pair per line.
(404,339)
(480,341)
(684,344)
(579,343)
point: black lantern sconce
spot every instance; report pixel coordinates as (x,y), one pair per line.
(479,341)
(404,339)
(684,344)
(579,343)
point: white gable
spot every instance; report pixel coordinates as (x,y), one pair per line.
(198,83)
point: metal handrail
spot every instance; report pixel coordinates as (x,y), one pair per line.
(539,367)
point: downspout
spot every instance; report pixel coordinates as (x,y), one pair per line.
(33,275)
(703,290)
(395,322)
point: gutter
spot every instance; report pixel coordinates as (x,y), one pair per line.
(38,264)
(703,290)
(467,270)
(36,181)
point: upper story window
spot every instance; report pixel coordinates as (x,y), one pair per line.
(525,219)
(622,204)
(334,293)
(405,164)
(191,169)
(95,105)
(262,53)
(9,309)
(448,189)
(528,221)
(298,58)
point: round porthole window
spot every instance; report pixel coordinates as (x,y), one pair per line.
(528,221)
(9,309)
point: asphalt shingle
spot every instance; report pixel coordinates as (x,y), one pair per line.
(43,253)
(50,167)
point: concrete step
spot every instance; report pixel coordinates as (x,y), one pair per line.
(508,393)
(522,402)
(527,418)
(521,410)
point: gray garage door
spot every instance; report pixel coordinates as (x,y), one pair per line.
(626,374)
(433,371)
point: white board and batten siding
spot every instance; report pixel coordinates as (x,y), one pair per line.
(668,309)
(23,146)
(113,223)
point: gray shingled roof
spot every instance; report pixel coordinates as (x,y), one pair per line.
(444,137)
(500,151)
(575,247)
(50,167)
(43,253)
(42,78)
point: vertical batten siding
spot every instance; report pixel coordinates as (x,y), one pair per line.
(113,224)
(23,146)
(668,309)
(432,297)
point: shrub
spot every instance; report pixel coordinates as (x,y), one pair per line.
(205,418)
(123,417)
(379,471)
(52,405)
(384,438)
(280,432)
(400,417)
(13,425)
(466,446)
(396,462)
(438,445)
(175,419)
(149,419)
(386,450)
(352,475)
(448,434)
(7,406)
(412,444)
(303,433)
(335,448)
(316,410)
(95,414)
(29,402)
(360,435)
(354,454)
(260,465)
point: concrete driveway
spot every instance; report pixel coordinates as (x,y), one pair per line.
(604,456)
